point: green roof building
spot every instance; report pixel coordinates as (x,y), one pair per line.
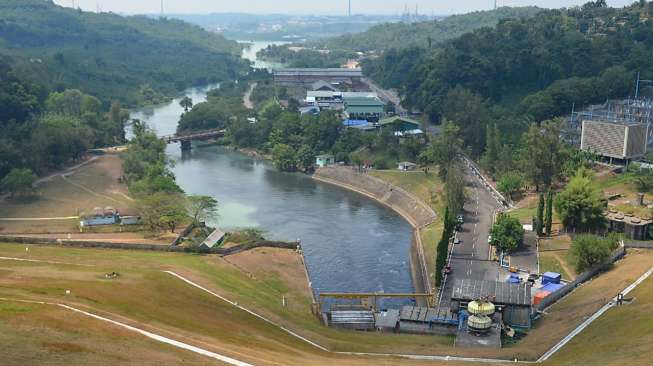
(401,125)
(361,108)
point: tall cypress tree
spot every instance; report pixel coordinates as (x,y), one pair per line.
(539,223)
(549,212)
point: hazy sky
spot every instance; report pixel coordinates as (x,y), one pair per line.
(313,7)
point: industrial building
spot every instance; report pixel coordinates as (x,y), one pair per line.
(307,77)
(621,140)
(616,130)
(333,99)
(369,109)
(633,227)
(512,300)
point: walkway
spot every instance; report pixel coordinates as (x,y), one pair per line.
(247,101)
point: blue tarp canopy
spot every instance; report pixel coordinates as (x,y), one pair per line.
(552,287)
(551,277)
(355,122)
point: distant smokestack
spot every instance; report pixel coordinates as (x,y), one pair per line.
(495,4)
(161,7)
(349,10)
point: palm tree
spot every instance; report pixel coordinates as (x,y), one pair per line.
(186,103)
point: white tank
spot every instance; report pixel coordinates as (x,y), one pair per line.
(479,323)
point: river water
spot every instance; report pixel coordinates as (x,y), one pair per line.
(351,243)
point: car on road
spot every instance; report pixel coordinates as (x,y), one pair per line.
(447,270)
(456,241)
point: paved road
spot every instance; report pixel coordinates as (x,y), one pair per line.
(471,258)
(386,95)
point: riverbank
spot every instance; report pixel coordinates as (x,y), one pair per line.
(416,212)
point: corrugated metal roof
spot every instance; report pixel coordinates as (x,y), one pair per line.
(387,319)
(499,293)
(216,237)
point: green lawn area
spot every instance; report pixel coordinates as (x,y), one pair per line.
(622,336)
(554,256)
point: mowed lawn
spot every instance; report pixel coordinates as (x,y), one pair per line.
(92,185)
(622,336)
(146,297)
(555,257)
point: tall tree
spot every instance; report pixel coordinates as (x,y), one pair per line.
(186,103)
(444,148)
(202,208)
(549,212)
(540,215)
(580,205)
(542,153)
(490,158)
(468,111)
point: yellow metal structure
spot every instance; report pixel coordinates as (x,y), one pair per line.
(480,307)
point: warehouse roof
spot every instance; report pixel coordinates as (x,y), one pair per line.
(318,71)
(499,293)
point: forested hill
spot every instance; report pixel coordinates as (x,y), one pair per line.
(422,34)
(111,56)
(536,68)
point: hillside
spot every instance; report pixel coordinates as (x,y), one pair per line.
(404,35)
(537,67)
(111,56)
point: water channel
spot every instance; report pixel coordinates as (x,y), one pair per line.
(351,243)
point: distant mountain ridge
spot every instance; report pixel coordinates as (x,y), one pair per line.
(421,34)
(112,56)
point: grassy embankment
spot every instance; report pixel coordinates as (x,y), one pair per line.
(429,189)
(95,184)
(146,297)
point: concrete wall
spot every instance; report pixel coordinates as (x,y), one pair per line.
(151,247)
(412,209)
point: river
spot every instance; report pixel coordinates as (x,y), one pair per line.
(350,242)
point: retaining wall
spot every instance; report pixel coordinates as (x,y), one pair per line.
(412,209)
(151,247)
(407,205)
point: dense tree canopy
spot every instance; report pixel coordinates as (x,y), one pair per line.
(537,67)
(580,205)
(112,56)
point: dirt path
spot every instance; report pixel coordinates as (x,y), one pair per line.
(247,101)
(570,273)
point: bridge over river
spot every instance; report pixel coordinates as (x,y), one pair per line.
(188,138)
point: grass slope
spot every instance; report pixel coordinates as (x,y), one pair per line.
(146,297)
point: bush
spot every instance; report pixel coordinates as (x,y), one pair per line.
(591,250)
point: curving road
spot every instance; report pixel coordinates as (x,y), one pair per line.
(471,257)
